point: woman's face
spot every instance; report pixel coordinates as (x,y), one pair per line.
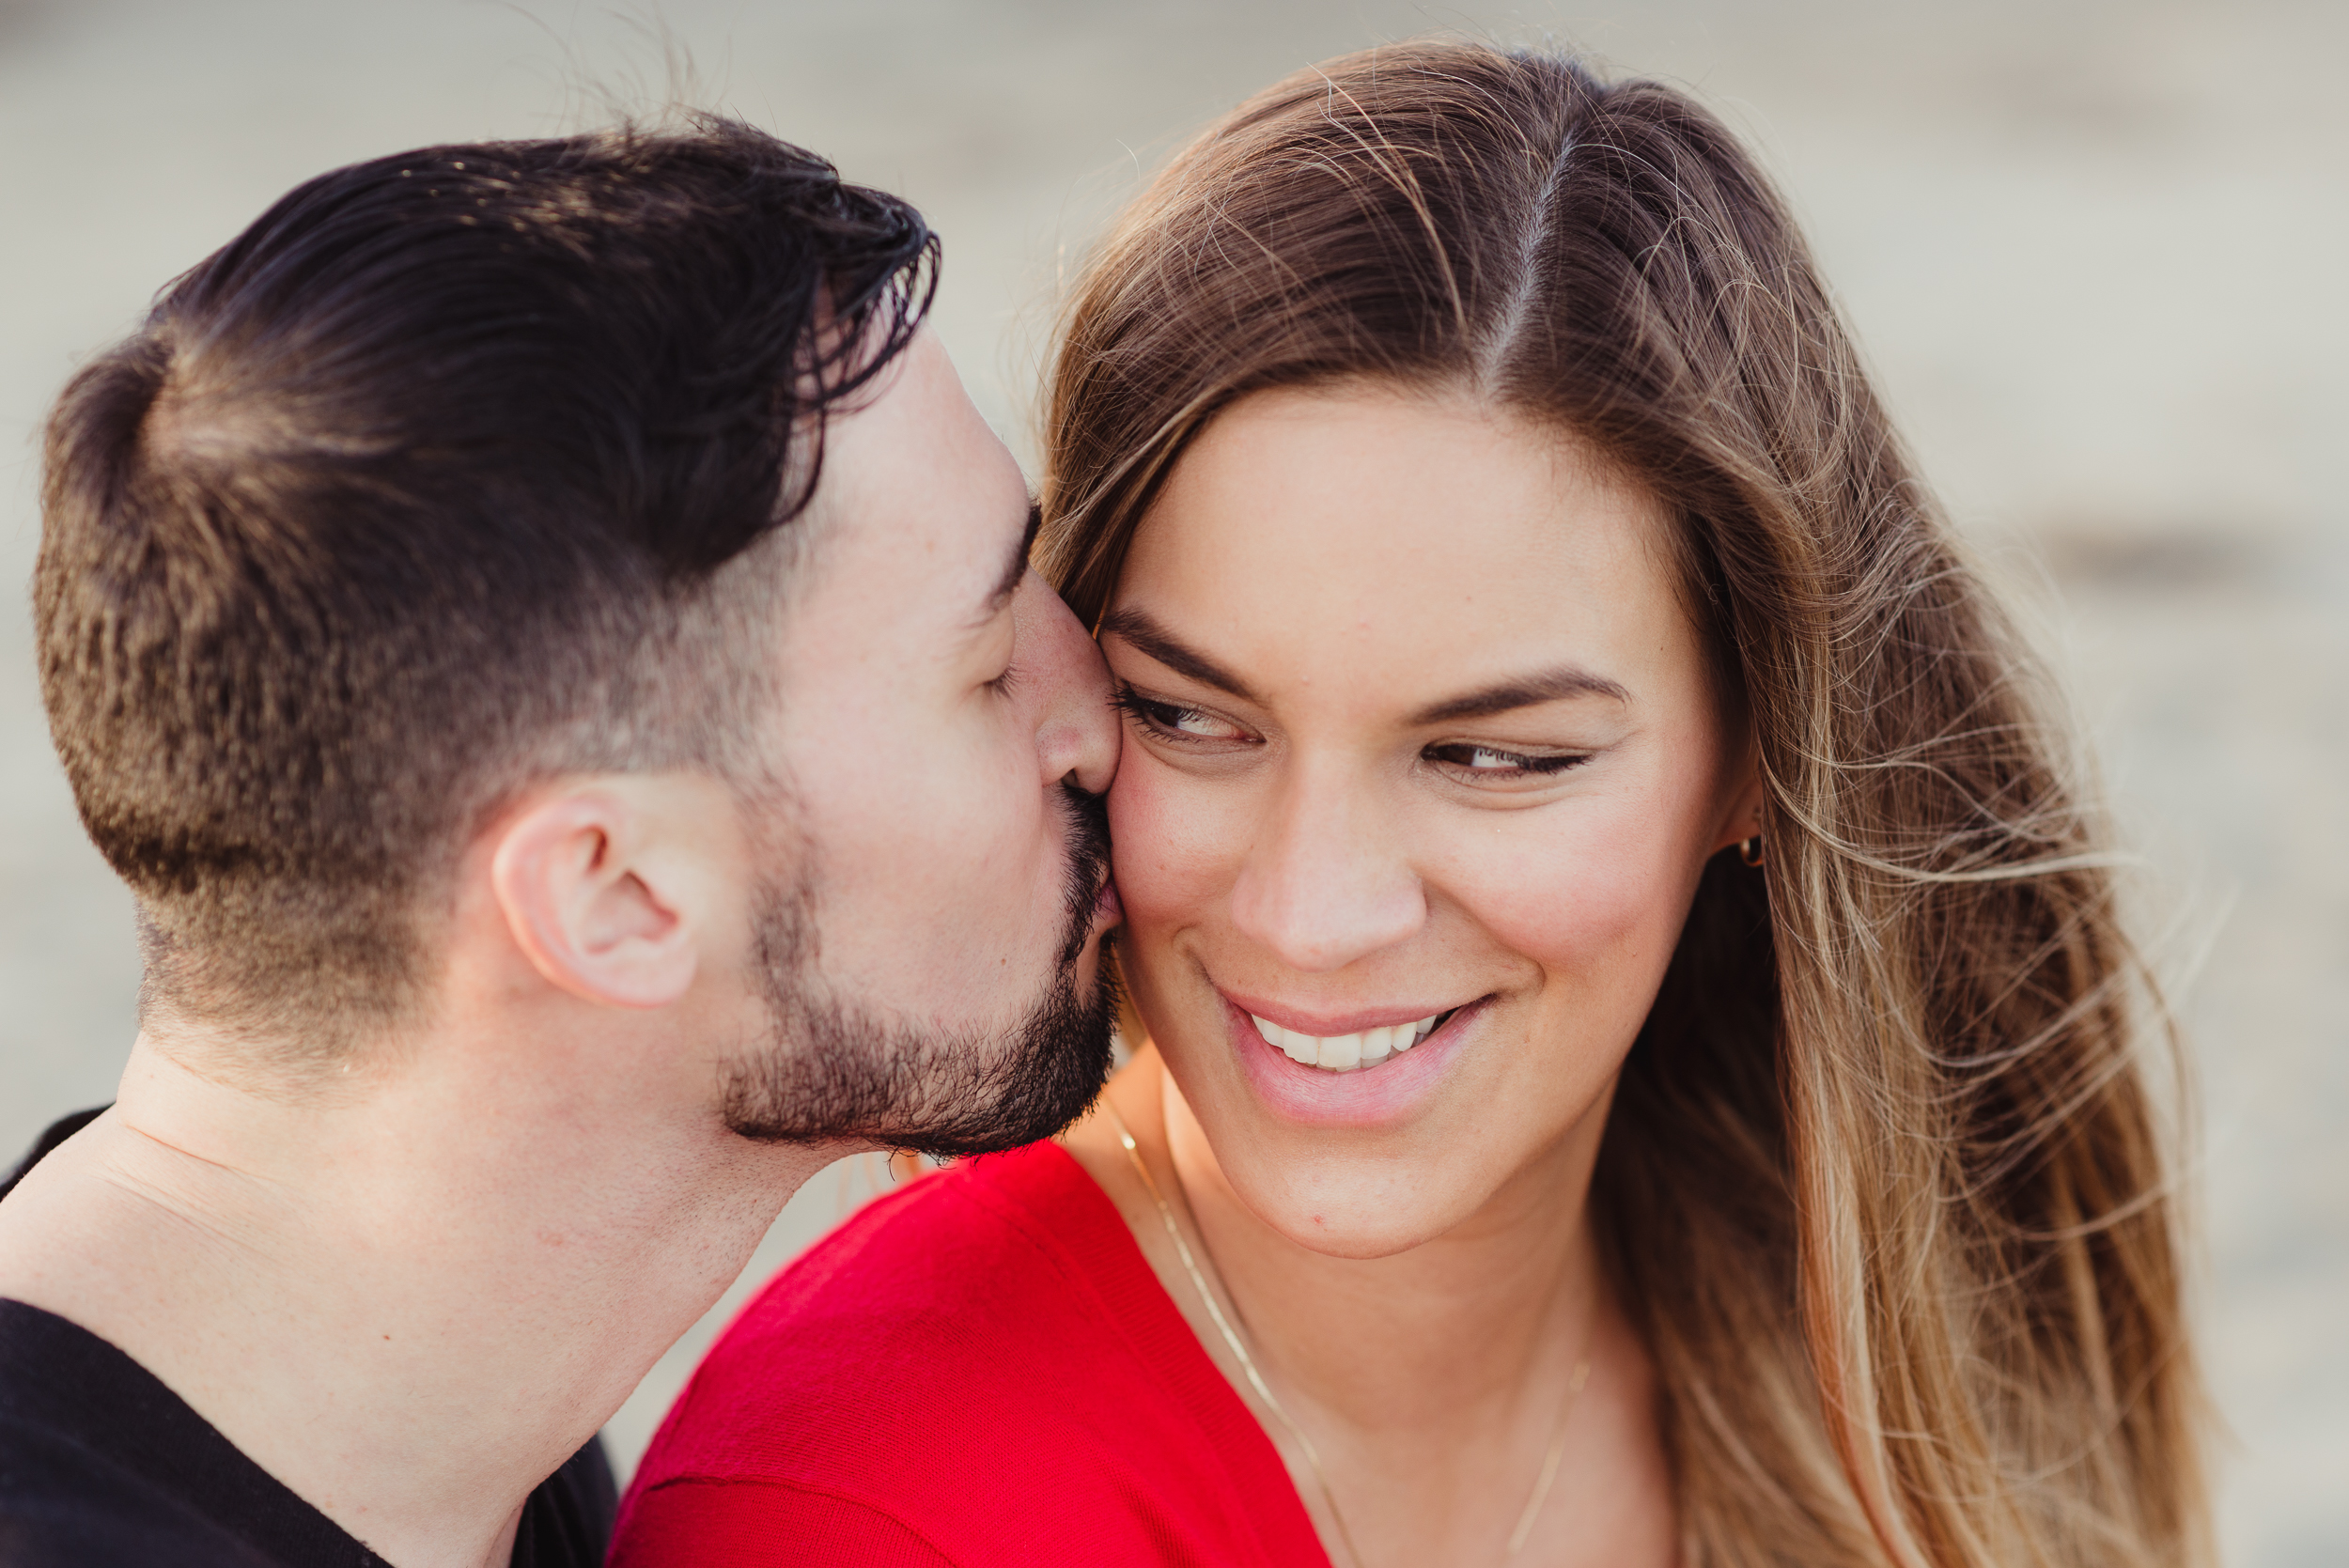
(1418,734)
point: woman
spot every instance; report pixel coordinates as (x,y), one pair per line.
(1642,1065)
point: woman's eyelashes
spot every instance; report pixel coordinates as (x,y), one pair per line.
(1181,724)
(1176,721)
(1490,764)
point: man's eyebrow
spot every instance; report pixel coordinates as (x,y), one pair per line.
(1550,685)
(1170,651)
(1016,567)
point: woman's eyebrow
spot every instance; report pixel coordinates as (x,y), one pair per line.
(1550,685)
(1170,651)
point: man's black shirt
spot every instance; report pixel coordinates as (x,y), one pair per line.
(103,1466)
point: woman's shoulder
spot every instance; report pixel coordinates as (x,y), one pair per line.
(1017,1254)
(979,1368)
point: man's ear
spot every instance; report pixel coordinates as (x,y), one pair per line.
(603,901)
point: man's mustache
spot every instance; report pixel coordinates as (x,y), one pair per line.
(1088,863)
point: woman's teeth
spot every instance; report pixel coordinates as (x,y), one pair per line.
(1343,1053)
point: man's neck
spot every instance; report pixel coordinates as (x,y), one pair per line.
(411,1299)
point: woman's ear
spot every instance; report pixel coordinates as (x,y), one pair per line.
(603,903)
(1747,797)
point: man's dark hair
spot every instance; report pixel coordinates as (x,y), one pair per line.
(444,476)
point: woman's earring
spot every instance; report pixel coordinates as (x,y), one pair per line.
(1750,850)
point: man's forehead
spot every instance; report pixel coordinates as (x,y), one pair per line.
(914,489)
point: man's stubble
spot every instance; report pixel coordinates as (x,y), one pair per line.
(833,1070)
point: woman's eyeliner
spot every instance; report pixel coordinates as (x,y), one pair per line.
(1162,718)
(1459,759)
(1514,765)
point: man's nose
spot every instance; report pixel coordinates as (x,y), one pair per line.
(1076,730)
(1323,884)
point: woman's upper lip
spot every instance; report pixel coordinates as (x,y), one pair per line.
(1326,1025)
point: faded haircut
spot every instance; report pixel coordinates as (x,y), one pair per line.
(457,469)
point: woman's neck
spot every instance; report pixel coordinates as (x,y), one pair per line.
(1431,1383)
(1451,1334)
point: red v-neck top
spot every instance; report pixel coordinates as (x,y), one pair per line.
(978,1370)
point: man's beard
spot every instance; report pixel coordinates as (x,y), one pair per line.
(834,1071)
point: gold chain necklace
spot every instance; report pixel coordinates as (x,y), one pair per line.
(1517,1537)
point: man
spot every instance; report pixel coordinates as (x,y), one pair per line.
(549,643)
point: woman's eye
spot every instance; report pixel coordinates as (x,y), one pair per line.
(1176,721)
(1490,762)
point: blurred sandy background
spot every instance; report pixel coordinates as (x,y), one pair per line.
(2095,250)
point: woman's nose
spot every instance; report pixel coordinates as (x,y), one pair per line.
(1325,884)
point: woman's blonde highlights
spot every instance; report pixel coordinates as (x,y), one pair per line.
(1887,1183)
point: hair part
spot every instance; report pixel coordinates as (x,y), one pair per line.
(456,469)
(1885,1181)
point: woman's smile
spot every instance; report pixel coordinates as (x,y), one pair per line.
(1352,1050)
(1338,1079)
(1403,859)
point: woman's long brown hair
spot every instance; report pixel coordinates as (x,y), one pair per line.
(1887,1183)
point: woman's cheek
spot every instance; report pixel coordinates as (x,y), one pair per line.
(1176,841)
(1576,895)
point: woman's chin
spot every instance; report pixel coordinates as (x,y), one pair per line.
(1368,1201)
(1363,1238)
